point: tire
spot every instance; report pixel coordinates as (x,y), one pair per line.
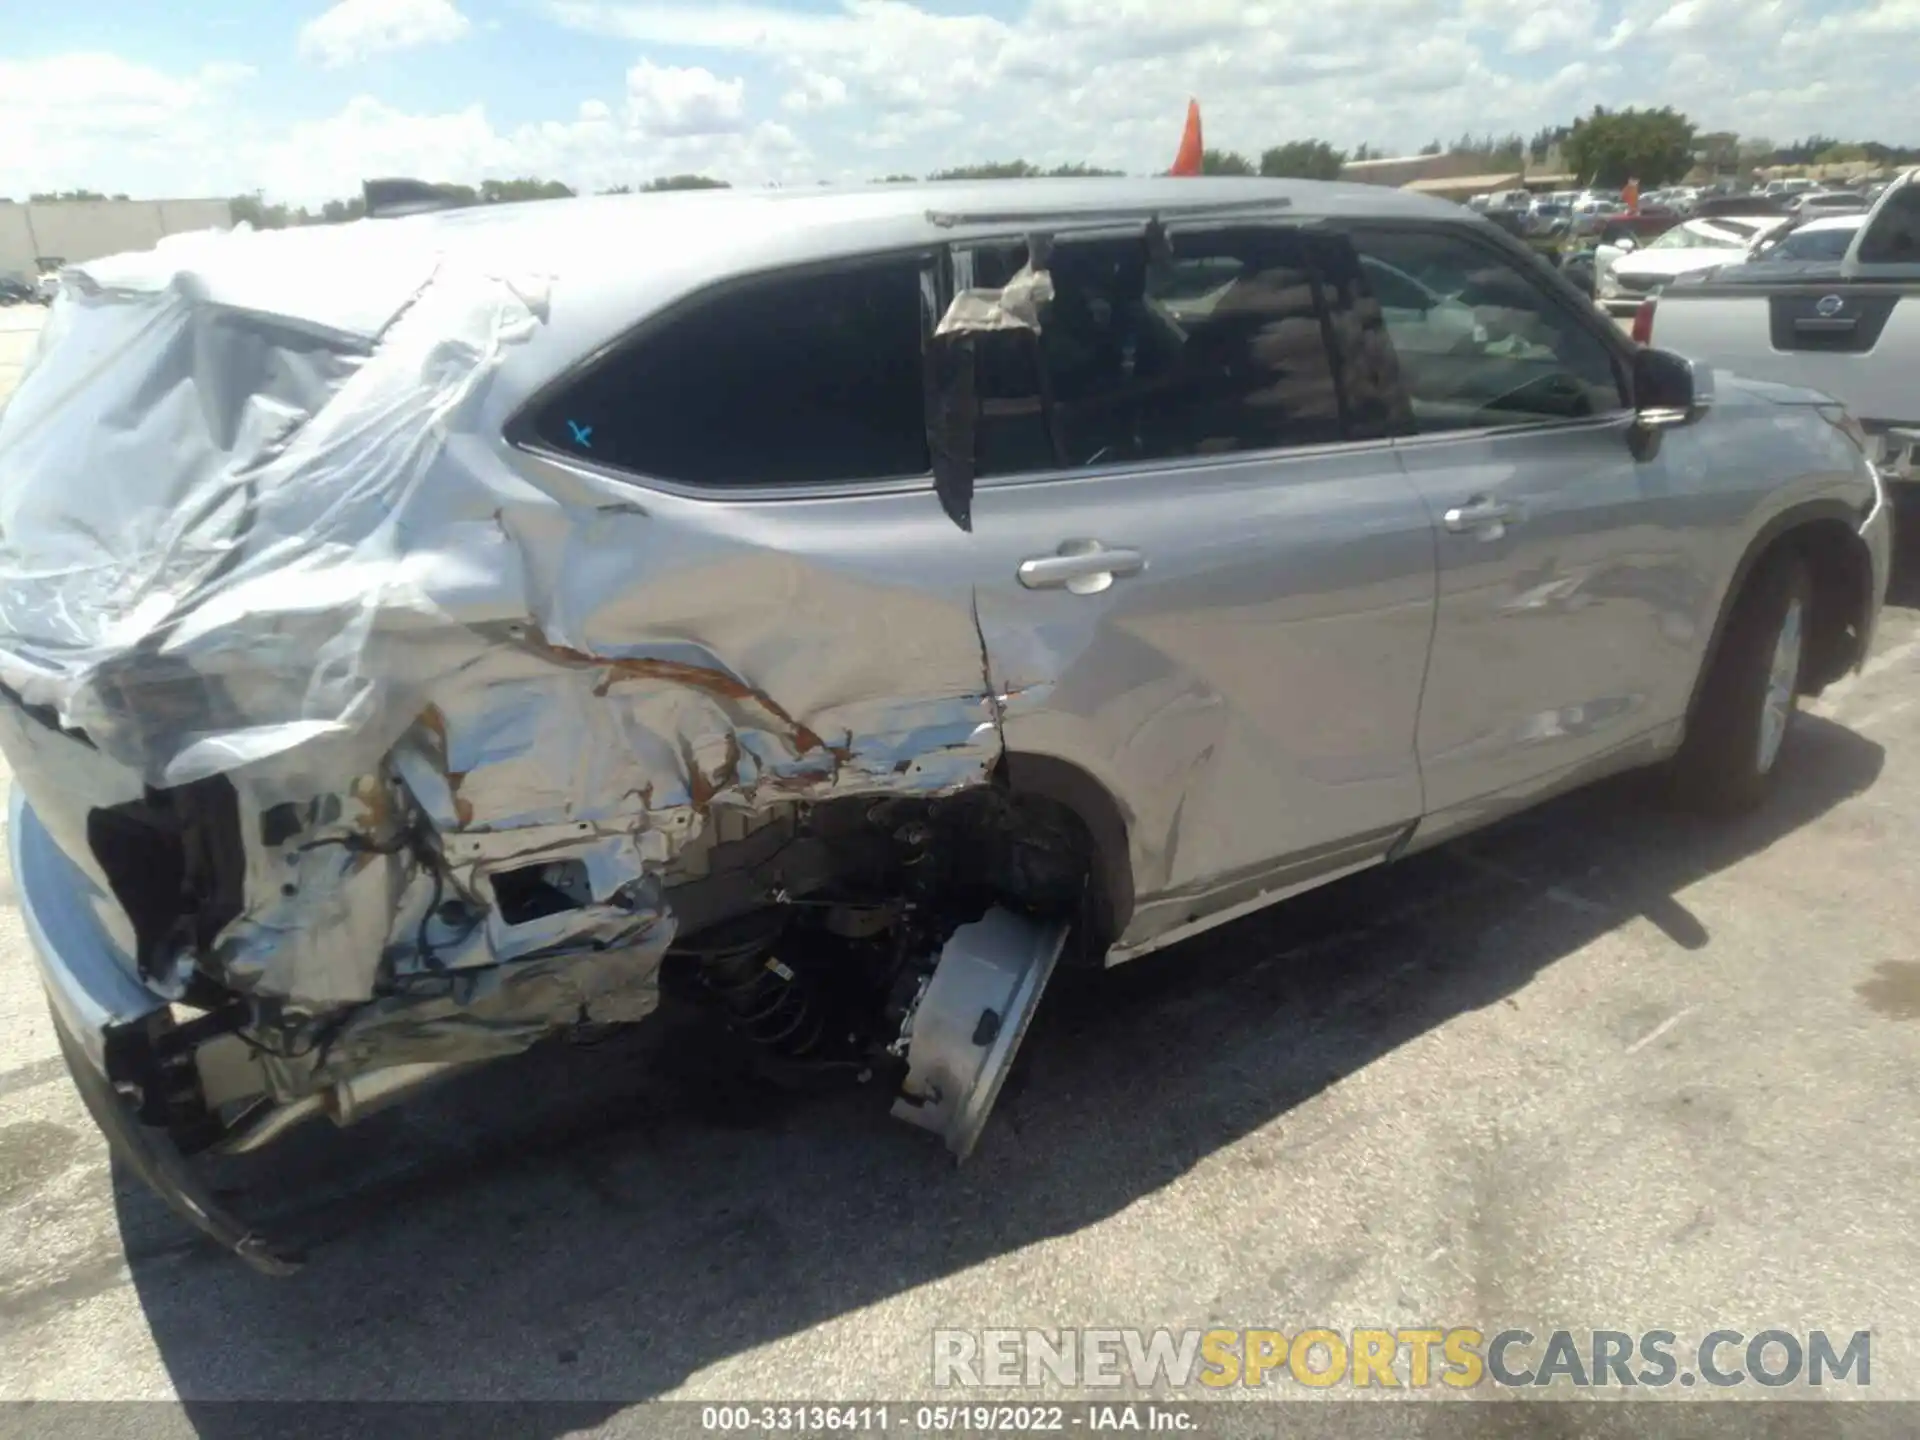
(1738,730)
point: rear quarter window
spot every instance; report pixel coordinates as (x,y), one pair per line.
(795,379)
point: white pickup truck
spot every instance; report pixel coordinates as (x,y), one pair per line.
(1849,327)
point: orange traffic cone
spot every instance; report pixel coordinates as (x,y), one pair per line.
(1187,162)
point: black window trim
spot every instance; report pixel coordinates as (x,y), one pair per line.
(1556,290)
(1181,464)
(519,431)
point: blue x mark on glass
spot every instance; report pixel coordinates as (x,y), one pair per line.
(582,434)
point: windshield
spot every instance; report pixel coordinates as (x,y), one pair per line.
(1894,236)
(1814,244)
(1722,235)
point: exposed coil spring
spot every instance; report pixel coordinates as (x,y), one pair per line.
(779,1008)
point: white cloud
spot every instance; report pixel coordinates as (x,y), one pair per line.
(102,122)
(1107,80)
(667,100)
(353,30)
(597,148)
(758,93)
(1530,27)
(815,93)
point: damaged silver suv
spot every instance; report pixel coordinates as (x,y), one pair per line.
(420,636)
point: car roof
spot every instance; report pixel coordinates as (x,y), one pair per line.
(1763,222)
(625,253)
(1851,221)
(600,265)
(824,221)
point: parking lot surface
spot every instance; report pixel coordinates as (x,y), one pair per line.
(19,327)
(1603,1067)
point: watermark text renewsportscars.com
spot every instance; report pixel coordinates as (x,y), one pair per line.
(1456,1357)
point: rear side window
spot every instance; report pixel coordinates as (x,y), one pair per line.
(1479,342)
(794,379)
(1813,245)
(1214,345)
(1893,236)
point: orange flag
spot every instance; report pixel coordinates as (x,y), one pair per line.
(1632,196)
(1187,162)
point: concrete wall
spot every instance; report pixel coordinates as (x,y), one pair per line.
(88,229)
(1408,168)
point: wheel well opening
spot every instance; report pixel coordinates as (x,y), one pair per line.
(1842,578)
(1089,809)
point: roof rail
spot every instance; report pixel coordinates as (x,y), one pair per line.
(949,219)
(391,198)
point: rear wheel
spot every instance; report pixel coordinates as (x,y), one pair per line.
(1746,708)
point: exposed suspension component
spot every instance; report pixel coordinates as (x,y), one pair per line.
(780,1007)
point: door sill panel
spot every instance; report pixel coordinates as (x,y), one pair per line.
(1649,747)
(1232,899)
(1298,874)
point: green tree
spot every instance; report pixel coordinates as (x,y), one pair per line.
(1225,162)
(495,192)
(897,180)
(54,196)
(1432,147)
(260,213)
(683,182)
(1303,160)
(990,170)
(1609,148)
(1544,140)
(1079,170)
(1718,150)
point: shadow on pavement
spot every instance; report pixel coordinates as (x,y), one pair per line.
(1904,587)
(597,1225)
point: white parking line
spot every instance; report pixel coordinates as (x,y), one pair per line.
(1662,1028)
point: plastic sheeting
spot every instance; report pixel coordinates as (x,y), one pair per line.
(252,526)
(1015,306)
(214,491)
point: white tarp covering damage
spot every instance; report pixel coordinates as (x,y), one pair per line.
(238,539)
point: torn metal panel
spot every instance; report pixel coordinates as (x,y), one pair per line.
(474,719)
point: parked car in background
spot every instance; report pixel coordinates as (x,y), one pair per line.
(1789,186)
(400,665)
(1847,325)
(1749,203)
(1627,272)
(1579,263)
(1824,238)
(47,283)
(1549,217)
(17,288)
(1829,202)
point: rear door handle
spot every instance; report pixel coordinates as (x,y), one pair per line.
(1488,518)
(1084,567)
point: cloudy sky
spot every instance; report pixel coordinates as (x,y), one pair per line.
(303,100)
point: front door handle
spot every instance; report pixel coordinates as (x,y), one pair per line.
(1480,515)
(1084,567)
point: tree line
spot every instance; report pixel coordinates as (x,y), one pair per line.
(263,214)
(1604,148)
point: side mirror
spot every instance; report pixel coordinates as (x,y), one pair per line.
(1669,389)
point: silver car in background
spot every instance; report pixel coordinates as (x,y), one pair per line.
(424,636)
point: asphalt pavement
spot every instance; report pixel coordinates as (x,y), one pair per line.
(1602,1067)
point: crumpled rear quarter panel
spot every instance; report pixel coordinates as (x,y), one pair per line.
(270,531)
